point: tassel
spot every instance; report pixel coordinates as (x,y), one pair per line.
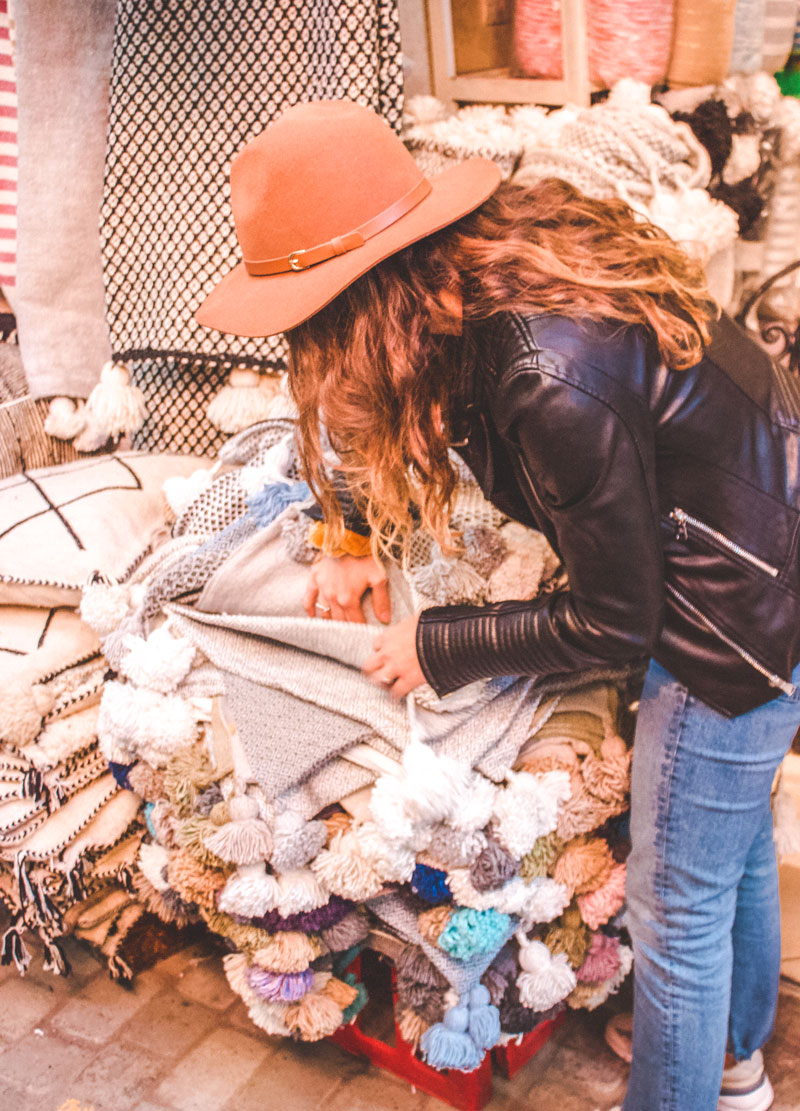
(343,870)
(527,809)
(413,964)
(296,841)
(119,969)
(448,1045)
(55,961)
(250,892)
(66,418)
(484,1019)
(430,884)
(270,501)
(33,785)
(246,839)
(347,933)
(158,663)
(492,867)
(280,987)
(13,948)
(349,1013)
(448,582)
(104,606)
(411,1026)
(75,885)
(315,1017)
(469,932)
(181,491)
(24,888)
(240,403)
(115,407)
(120,773)
(300,892)
(288,952)
(545,979)
(310,922)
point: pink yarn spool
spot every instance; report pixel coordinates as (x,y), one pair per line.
(627,38)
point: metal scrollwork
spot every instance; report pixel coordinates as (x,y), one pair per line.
(772,332)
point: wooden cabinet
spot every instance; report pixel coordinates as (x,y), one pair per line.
(470,43)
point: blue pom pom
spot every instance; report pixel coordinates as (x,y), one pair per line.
(448,1049)
(120,773)
(265,504)
(148,817)
(469,932)
(484,1026)
(430,884)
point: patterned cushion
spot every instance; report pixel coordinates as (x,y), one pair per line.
(61,524)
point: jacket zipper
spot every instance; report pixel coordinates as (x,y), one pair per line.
(774,680)
(684,521)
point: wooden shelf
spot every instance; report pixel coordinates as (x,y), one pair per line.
(497,85)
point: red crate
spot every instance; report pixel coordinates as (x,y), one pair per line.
(465,1091)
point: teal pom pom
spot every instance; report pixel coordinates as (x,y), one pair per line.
(469,932)
(350,1012)
(447,1045)
(149,807)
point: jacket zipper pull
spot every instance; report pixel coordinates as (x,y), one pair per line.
(681,529)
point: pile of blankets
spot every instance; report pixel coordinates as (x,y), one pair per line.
(292,806)
(69,837)
(701,163)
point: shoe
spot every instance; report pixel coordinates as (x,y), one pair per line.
(746,1086)
(619,1035)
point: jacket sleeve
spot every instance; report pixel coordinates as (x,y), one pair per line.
(594,477)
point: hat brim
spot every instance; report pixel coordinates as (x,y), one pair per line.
(244,305)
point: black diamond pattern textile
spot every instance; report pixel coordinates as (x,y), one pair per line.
(191,82)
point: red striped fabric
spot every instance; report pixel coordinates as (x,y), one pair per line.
(8,150)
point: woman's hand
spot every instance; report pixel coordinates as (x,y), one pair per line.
(394,664)
(337,586)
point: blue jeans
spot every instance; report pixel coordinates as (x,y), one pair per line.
(702,890)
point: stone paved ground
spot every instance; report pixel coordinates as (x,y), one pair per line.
(179,1040)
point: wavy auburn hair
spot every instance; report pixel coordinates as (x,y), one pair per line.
(372,364)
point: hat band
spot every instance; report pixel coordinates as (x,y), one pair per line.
(340,244)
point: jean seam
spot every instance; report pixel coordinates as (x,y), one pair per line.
(667,773)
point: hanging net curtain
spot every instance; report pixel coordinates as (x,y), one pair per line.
(191,82)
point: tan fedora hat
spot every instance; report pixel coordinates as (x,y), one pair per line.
(320,197)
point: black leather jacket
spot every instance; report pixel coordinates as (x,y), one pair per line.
(672,498)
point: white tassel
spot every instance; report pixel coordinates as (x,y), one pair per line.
(135,720)
(545,979)
(181,491)
(540,901)
(392,861)
(296,840)
(65,418)
(115,407)
(344,870)
(250,892)
(300,891)
(158,663)
(104,606)
(527,809)
(153,860)
(240,403)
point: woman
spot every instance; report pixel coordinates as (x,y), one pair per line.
(570,354)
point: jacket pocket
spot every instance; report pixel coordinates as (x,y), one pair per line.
(774,680)
(686,525)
